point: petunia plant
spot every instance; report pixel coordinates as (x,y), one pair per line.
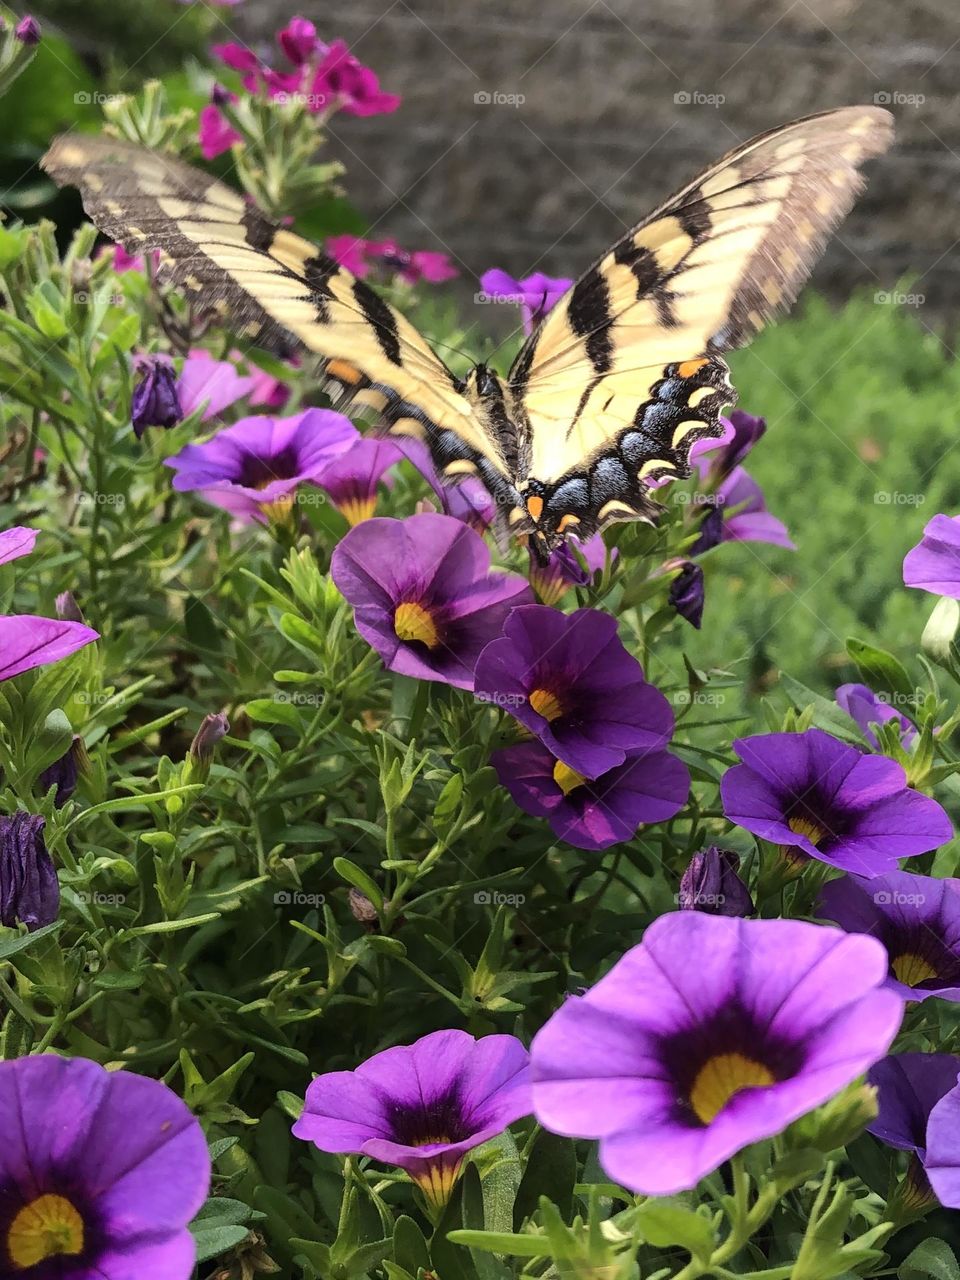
(377,900)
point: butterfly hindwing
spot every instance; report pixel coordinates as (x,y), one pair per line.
(696,278)
(273,286)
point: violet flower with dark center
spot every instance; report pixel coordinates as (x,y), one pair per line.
(564,569)
(711,883)
(595,813)
(910,1087)
(155,400)
(29,890)
(917,918)
(353,480)
(102,1171)
(569,680)
(424,595)
(421,1107)
(712,1034)
(809,791)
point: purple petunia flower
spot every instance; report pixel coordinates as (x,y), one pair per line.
(469,500)
(917,918)
(711,883)
(934,563)
(29,890)
(213,385)
(710,1035)
(64,773)
(535,294)
(738,511)
(569,680)
(27,30)
(16,542)
(101,1172)
(424,595)
(255,467)
(910,1087)
(564,570)
(421,1106)
(687,593)
(27,641)
(716,458)
(749,520)
(155,401)
(593,813)
(352,480)
(829,800)
(866,708)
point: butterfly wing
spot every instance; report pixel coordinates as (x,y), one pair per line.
(625,373)
(271,285)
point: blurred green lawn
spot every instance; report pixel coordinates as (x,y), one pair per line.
(863,411)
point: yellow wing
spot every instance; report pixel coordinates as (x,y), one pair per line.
(271,285)
(698,277)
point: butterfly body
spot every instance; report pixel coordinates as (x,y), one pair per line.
(617,381)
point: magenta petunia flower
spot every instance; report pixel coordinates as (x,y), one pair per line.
(27,641)
(423,1106)
(534,294)
(811,792)
(563,570)
(254,468)
(360,257)
(299,41)
(352,480)
(934,563)
(910,1088)
(350,253)
(424,595)
(16,542)
(712,1034)
(216,134)
(863,706)
(342,82)
(100,1172)
(212,384)
(593,813)
(917,918)
(569,680)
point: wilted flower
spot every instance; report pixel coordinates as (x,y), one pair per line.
(213,729)
(352,479)
(423,1106)
(569,680)
(67,608)
(155,400)
(649,786)
(424,595)
(65,772)
(16,542)
(828,800)
(102,1172)
(863,706)
(27,641)
(711,883)
(564,570)
(27,30)
(256,466)
(917,918)
(687,593)
(910,1088)
(934,563)
(712,1034)
(534,294)
(29,891)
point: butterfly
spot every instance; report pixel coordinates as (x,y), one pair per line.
(616,382)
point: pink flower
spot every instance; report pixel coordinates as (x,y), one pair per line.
(299,42)
(342,81)
(349,252)
(360,257)
(216,135)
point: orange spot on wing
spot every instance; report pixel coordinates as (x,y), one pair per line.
(690,367)
(566,521)
(343,371)
(535,507)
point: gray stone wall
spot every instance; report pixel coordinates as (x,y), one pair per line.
(531,134)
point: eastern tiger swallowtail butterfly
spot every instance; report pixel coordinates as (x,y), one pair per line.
(616,382)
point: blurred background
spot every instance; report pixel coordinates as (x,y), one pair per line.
(531,136)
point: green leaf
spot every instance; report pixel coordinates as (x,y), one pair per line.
(881,670)
(409,1245)
(552,1172)
(356,876)
(517,1246)
(212,1239)
(932,1258)
(666,1222)
(12,944)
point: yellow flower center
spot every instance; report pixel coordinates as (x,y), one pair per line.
(411,621)
(437,1182)
(807,827)
(720,1078)
(45,1228)
(279,512)
(566,778)
(546,704)
(356,510)
(431,1142)
(912,969)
